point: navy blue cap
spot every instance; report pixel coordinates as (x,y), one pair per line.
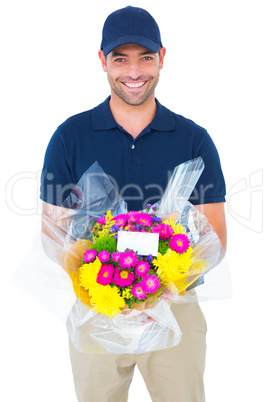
(130,25)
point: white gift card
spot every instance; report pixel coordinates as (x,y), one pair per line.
(141,242)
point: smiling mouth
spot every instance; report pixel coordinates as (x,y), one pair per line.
(134,84)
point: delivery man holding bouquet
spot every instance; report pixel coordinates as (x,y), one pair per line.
(137,142)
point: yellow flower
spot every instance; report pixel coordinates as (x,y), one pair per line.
(184,260)
(127,293)
(109,216)
(178,229)
(88,275)
(173,266)
(106,228)
(107,300)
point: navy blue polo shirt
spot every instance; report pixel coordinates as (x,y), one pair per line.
(140,167)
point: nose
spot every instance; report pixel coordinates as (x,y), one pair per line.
(134,70)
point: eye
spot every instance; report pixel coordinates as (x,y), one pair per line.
(147,58)
(119,60)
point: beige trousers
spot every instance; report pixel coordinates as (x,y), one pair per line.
(171,375)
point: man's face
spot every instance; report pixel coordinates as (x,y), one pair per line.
(133,72)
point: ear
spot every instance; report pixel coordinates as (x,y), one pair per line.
(162,56)
(103,61)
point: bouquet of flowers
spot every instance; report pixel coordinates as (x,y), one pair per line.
(127,267)
(109,280)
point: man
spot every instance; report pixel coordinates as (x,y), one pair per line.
(137,142)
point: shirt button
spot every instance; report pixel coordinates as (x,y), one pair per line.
(132,146)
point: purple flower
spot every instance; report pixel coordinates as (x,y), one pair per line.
(156,219)
(114,229)
(149,258)
(138,227)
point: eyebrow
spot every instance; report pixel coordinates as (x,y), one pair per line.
(117,54)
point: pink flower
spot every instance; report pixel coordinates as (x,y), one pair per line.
(104,256)
(165,231)
(116,256)
(101,220)
(123,278)
(142,268)
(89,255)
(131,228)
(144,219)
(128,259)
(138,291)
(120,220)
(179,243)
(150,283)
(105,275)
(132,216)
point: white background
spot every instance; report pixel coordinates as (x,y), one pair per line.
(215,73)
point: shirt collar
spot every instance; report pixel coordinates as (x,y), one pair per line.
(102,118)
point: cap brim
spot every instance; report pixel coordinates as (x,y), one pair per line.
(138,40)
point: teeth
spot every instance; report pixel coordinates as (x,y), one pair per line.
(134,84)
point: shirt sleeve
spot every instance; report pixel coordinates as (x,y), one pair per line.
(210,187)
(56,177)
